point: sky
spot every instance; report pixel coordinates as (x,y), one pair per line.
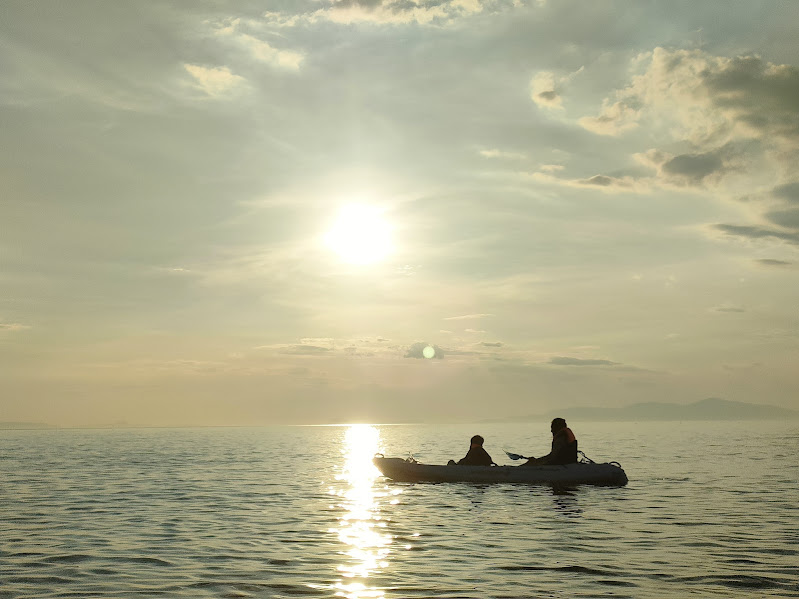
(321,211)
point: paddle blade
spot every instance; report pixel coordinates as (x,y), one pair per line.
(515,456)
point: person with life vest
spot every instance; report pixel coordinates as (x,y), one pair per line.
(564,446)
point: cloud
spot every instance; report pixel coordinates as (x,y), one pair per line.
(12,326)
(400,12)
(788,192)
(305,347)
(788,219)
(727,307)
(468,317)
(566,361)
(330,347)
(690,168)
(216,81)
(729,117)
(479,331)
(259,49)
(501,154)
(606,183)
(435,13)
(543,92)
(546,88)
(614,119)
(693,167)
(757,232)
(772,263)
(709,100)
(603,181)
(321,341)
(491,343)
(422,350)
(264,52)
(302,349)
(732,114)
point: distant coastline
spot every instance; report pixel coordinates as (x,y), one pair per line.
(712,408)
(24,426)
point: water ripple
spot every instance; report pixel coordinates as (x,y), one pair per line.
(213,513)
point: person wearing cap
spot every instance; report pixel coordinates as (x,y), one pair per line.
(477,456)
(564,446)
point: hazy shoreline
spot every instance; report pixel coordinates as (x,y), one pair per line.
(706,410)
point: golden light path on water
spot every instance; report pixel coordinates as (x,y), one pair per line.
(361,529)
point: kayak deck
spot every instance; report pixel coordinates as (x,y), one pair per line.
(401,470)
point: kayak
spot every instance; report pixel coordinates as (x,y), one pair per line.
(398,469)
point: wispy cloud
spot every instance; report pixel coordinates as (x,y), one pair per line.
(13,326)
(773,263)
(468,317)
(691,169)
(214,81)
(599,182)
(304,349)
(543,90)
(389,12)
(264,52)
(788,219)
(728,307)
(257,48)
(399,12)
(546,88)
(567,361)
(615,118)
(502,154)
(789,192)
(758,232)
(604,181)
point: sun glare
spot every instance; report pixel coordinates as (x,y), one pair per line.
(361,527)
(360,235)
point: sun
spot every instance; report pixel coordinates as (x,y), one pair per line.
(360,235)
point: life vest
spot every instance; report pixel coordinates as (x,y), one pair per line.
(567,453)
(570,438)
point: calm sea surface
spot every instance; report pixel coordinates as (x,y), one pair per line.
(712,510)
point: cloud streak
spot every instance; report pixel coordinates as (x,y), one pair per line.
(756,232)
(567,361)
(773,263)
(215,82)
(468,317)
(13,326)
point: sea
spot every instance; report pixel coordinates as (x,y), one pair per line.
(711,510)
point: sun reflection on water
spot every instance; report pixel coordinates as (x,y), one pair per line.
(361,528)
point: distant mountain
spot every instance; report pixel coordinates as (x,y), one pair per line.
(14,426)
(712,408)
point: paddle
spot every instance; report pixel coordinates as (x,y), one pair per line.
(515,456)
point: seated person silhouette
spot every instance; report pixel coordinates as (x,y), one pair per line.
(477,456)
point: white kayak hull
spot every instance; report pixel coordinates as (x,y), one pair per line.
(570,474)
